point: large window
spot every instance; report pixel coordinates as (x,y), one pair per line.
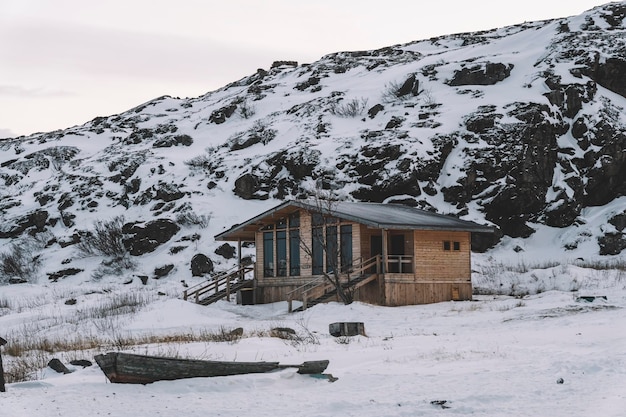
(318,250)
(345,250)
(268,254)
(331,248)
(281,247)
(294,252)
(281,253)
(331,245)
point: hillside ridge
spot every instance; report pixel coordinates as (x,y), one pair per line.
(521,127)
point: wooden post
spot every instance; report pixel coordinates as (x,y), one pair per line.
(384,251)
(241,273)
(2,343)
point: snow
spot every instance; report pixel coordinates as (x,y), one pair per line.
(497,355)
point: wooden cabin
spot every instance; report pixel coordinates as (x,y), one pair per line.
(385,254)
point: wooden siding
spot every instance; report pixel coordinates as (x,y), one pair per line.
(433,263)
(409,293)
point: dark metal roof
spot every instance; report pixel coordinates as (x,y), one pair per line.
(376,215)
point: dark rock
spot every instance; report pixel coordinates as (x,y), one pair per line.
(219,116)
(619,221)
(277,64)
(612,243)
(126,165)
(143,279)
(68,219)
(70,302)
(394,122)
(54,276)
(58,366)
(372,112)
(485,74)
(579,128)
(35,221)
(201,265)
(238,332)
(168,142)
(168,192)
(610,74)
(162,191)
(144,238)
(410,86)
(308,83)
(226,251)
(81,362)
(570,98)
(247,187)
(162,271)
(483,120)
(132,186)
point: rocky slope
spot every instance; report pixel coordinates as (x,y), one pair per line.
(520,127)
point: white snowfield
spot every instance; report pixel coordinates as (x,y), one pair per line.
(494,356)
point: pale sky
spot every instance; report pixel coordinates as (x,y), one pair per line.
(64,62)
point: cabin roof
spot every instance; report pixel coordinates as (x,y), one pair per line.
(375,215)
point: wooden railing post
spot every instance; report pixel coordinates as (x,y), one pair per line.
(2,343)
(289,304)
(228,289)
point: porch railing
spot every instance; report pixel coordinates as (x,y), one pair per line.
(399,264)
(219,282)
(319,286)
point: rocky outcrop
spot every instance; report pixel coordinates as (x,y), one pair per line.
(141,238)
(487,73)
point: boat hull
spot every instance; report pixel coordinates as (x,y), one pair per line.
(127,368)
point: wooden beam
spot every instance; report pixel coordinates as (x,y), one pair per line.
(385,233)
(2,388)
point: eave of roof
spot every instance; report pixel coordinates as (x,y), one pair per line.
(375,215)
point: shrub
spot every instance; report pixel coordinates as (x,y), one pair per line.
(189,218)
(352,108)
(19,262)
(105,239)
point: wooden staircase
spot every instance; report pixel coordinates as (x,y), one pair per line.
(221,285)
(320,290)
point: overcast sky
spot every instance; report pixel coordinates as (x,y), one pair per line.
(64,62)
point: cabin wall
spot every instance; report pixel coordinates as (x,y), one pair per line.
(399,293)
(433,263)
(440,274)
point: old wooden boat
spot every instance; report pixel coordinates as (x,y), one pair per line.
(128,368)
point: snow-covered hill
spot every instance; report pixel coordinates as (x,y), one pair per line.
(520,127)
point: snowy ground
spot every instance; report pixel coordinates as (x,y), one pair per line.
(494,356)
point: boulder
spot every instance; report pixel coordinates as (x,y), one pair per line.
(58,366)
(201,265)
(162,271)
(247,186)
(143,238)
(226,251)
